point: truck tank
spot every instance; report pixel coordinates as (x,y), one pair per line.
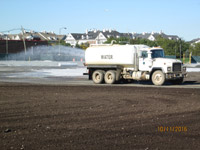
(122,55)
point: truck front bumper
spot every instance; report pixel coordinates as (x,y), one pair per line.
(176,75)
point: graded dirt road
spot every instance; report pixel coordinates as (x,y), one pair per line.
(98,117)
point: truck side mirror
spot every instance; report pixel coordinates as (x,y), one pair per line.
(144,54)
(149,54)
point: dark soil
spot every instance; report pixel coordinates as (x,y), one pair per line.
(98,117)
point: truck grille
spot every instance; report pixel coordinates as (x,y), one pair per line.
(176,66)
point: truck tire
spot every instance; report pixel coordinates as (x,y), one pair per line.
(98,76)
(177,81)
(158,78)
(110,77)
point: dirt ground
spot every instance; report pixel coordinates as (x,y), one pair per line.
(195,76)
(99,117)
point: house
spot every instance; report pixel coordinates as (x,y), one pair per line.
(99,37)
(154,35)
(195,41)
(105,34)
(93,36)
(3,36)
(32,35)
(73,38)
(49,36)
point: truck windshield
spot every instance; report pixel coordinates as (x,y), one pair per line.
(157,53)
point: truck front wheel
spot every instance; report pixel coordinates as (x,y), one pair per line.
(110,77)
(98,76)
(158,78)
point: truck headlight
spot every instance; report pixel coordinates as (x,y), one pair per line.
(169,68)
(184,69)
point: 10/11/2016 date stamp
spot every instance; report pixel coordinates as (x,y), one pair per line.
(172,129)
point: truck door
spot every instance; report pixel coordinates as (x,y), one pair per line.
(144,62)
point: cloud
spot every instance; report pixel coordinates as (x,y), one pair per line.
(106,10)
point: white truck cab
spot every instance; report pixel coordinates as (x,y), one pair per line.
(111,63)
(152,59)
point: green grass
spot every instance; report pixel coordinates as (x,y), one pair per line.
(186,60)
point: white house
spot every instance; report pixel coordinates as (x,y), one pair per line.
(93,37)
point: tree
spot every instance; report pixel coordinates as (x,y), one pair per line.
(77,45)
(195,49)
(171,47)
(167,45)
(82,45)
(62,42)
(121,40)
(143,41)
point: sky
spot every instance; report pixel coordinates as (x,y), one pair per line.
(173,17)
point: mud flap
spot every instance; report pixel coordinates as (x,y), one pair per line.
(118,74)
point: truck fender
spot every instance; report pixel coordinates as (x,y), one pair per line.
(154,69)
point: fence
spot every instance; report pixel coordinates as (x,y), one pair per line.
(16,46)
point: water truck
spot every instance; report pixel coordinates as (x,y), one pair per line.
(108,63)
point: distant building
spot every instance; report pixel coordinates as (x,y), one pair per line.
(154,35)
(31,35)
(195,41)
(99,37)
(92,37)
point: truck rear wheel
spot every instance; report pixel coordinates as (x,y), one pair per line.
(158,78)
(110,77)
(98,76)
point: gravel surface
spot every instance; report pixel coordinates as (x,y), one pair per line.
(98,117)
